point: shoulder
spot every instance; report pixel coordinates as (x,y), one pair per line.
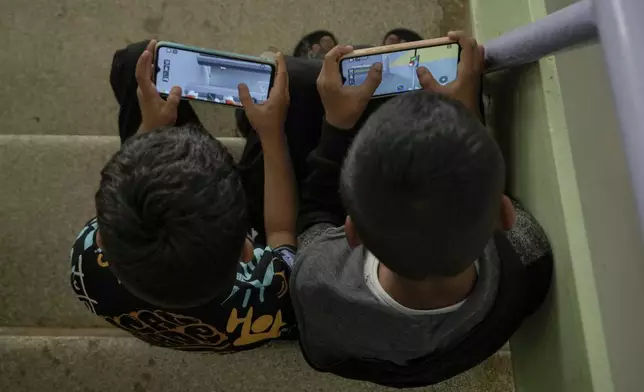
(86,238)
(85,250)
(266,275)
(323,240)
(528,237)
(315,232)
(260,294)
(91,279)
(323,250)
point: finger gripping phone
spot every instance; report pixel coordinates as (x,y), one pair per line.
(399,64)
(210,75)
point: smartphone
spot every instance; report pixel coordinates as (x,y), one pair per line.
(210,75)
(399,64)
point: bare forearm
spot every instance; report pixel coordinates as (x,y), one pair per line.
(280,200)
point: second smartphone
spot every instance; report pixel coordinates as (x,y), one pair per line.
(210,75)
(399,64)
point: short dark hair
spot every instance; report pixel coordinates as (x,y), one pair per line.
(423,183)
(172,216)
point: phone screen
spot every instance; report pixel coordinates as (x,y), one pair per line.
(209,77)
(399,68)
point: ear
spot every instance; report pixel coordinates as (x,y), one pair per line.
(352,235)
(508,214)
(247,252)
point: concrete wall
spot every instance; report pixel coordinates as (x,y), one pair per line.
(56,56)
(557,124)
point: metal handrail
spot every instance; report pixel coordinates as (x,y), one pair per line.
(561,30)
(619,27)
(622,33)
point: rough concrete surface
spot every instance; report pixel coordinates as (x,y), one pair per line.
(56,55)
(47,194)
(89,364)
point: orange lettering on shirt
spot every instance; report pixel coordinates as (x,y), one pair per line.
(264,327)
(101,262)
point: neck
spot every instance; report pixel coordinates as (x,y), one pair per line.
(431,293)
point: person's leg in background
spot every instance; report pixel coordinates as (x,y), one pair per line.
(124,86)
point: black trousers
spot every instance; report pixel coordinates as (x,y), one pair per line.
(302,128)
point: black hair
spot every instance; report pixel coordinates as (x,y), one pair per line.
(172,216)
(423,184)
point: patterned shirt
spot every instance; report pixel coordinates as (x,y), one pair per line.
(255,310)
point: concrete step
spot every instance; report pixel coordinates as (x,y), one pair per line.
(56,56)
(46,337)
(113,363)
(46,195)
(48,183)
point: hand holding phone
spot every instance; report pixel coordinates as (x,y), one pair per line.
(210,75)
(400,62)
(343,105)
(268,118)
(466,88)
(155,111)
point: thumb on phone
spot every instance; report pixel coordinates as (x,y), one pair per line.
(427,80)
(174,97)
(374,77)
(244,95)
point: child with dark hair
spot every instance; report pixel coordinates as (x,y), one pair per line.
(168,257)
(419,267)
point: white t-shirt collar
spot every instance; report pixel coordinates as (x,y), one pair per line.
(373,283)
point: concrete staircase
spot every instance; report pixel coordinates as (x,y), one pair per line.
(58,118)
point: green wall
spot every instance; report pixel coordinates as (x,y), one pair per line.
(556,123)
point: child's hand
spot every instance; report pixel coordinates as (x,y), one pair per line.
(268,118)
(467,86)
(344,104)
(155,111)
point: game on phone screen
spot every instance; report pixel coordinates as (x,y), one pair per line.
(399,68)
(209,77)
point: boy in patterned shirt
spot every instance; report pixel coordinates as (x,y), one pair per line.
(168,258)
